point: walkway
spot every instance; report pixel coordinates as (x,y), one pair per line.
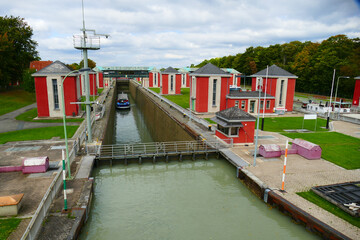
(8,123)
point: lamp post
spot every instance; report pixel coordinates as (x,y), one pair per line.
(330,108)
(337,85)
(64,115)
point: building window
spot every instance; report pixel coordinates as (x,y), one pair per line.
(243,104)
(155,79)
(214,92)
(55,93)
(236,103)
(261,104)
(233,131)
(281,92)
(183,79)
(252,106)
(172,83)
(267,104)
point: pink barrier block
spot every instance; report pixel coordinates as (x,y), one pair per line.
(10,169)
(290,151)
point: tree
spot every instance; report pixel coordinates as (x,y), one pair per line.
(17,49)
(74,66)
(91,63)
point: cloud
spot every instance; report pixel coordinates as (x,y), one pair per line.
(177,33)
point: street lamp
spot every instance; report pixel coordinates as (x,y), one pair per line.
(64,115)
(337,84)
(330,108)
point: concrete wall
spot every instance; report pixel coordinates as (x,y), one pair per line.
(161,126)
(108,133)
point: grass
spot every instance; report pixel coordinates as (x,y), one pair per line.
(83,99)
(15,99)
(328,206)
(31,114)
(100,90)
(155,89)
(279,124)
(181,100)
(7,226)
(210,121)
(340,149)
(37,134)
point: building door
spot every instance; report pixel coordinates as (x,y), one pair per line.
(193,104)
(252,106)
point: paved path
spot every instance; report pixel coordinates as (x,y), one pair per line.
(8,122)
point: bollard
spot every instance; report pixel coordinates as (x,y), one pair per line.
(209,127)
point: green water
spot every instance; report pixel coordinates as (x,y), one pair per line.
(179,200)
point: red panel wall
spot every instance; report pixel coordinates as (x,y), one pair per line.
(202,94)
(151,79)
(70,96)
(225,83)
(356,93)
(101,80)
(290,94)
(178,84)
(270,88)
(42,97)
(165,84)
(187,80)
(93,87)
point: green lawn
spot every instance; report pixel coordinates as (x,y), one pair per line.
(37,134)
(155,89)
(343,150)
(15,99)
(7,226)
(31,114)
(314,198)
(279,124)
(210,121)
(181,100)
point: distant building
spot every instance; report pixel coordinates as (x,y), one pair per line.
(48,92)
(185,78)
(235,76)
(236,124)
(356,97)
(38,65)
(170,81)
(209,86)
(154,78)
(280,84)
(249,101)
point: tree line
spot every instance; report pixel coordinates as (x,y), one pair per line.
(312,62)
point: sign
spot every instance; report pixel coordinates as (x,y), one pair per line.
(310,116)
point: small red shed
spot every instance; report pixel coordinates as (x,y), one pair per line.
(279,83)
(233,123)
(170,82)
(48,92)
(306,149)
(154,76)
(356,97)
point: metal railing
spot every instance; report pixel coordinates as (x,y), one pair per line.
(155,149)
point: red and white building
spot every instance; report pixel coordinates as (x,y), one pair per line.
(209,86)
(278,83)
(235,124)
(48,90)
(235,76)
(170,82)
(92,81)
(356,97)
(248,101)
(154,78)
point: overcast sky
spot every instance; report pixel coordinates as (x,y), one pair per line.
(176,33)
